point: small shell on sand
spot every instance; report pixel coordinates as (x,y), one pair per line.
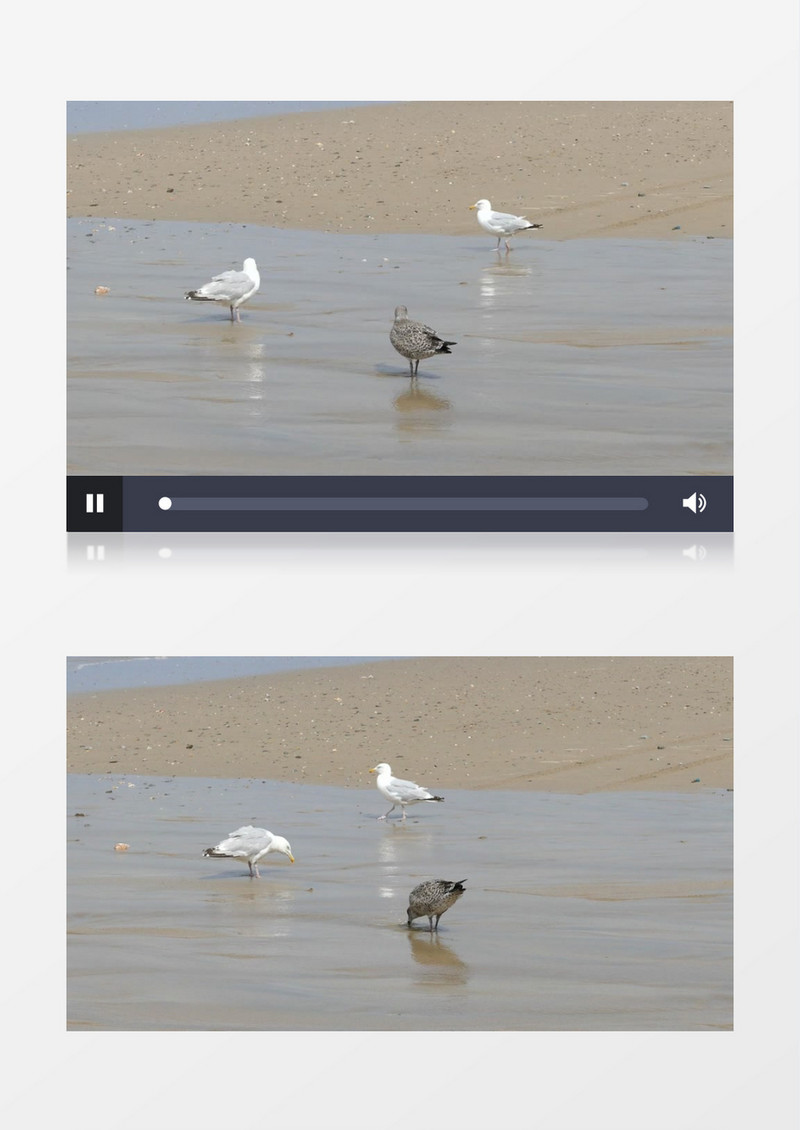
(101,290)
(121,847)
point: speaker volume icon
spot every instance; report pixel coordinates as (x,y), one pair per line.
(695,502)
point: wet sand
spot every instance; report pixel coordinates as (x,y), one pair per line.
(567,725)
(579,357)
(605,912)
(654,170)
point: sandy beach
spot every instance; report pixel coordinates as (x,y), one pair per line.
(562,725)
(656,170)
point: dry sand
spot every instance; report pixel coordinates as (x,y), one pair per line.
(654,170)
(570,725)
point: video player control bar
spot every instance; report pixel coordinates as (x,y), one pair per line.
(398,504)
(412,504)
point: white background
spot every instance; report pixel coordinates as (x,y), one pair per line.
(406,595)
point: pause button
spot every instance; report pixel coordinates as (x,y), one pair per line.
(94,503)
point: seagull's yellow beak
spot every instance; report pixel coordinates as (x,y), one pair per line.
(372,770)
(291,858)
(472,207)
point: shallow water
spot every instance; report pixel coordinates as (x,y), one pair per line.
(89,117)
(90,673)
(610,911)
(575,357)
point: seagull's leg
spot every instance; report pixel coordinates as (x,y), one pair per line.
(249,864)
(258,873)
(411,367)
(391,810)
(430,921)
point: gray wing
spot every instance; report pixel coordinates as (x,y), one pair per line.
(506,220)
(407,790)
(245,840)
(228,285)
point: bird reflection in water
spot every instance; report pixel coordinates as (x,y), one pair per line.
(256,374)
(274,900)
(420,410)
(492,279)
(247,369)
(442,965)
(393,847)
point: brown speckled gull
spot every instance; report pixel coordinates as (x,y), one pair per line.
(415,341)
(432,898)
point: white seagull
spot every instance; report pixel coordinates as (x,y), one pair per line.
(399,792)
(501,224)
(231,287)
(249,844)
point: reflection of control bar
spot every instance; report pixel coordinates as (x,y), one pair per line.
(409,504)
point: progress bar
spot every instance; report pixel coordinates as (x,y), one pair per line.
(413,504)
